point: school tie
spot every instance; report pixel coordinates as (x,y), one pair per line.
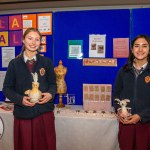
(138,71)
(30,64)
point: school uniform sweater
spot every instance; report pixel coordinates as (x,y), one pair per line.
(18,79)
(136,89)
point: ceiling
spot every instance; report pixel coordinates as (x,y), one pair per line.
(35,4)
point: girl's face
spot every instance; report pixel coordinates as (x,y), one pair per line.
(32,41)
(140,49)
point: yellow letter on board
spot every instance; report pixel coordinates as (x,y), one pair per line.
(4,38)
(15,23)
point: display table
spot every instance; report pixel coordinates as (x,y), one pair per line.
(75,130)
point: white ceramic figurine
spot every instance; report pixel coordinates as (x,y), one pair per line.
(123,104)
(34,93)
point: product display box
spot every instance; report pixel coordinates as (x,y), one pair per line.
(97,97)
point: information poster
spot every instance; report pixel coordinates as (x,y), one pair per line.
(29,20)
(45,23)
(97,45)
(120,47)
(2,76)
(75,49)
(8,53)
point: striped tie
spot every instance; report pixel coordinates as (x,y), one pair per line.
(30,64)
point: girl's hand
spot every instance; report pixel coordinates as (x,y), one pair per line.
(120,117)
(123,116)
(26,101)
(133,119)
(45,98)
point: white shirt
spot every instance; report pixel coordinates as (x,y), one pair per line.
(26,58)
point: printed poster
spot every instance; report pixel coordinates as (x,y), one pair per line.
(29,20)
(97,45)
(75,49)
(43,41)
(120,47)
(43,48)
(45,23)
(100,62)
(2,76)
(8,53)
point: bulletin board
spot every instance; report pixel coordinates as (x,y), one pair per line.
(140,22)
(78,25)
(12,27)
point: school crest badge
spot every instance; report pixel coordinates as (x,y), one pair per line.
(42,71)
(147,79)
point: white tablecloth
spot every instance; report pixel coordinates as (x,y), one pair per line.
(74,130)
(6,142)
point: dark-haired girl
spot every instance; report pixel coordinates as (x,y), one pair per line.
(133,83)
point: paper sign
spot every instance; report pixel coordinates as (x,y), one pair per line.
(100,62)
(45,23)
(29,20)
(120,47)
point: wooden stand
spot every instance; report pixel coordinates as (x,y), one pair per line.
(60,104)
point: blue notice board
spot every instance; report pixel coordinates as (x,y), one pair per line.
(78,25)
(49,46)
(140,21)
